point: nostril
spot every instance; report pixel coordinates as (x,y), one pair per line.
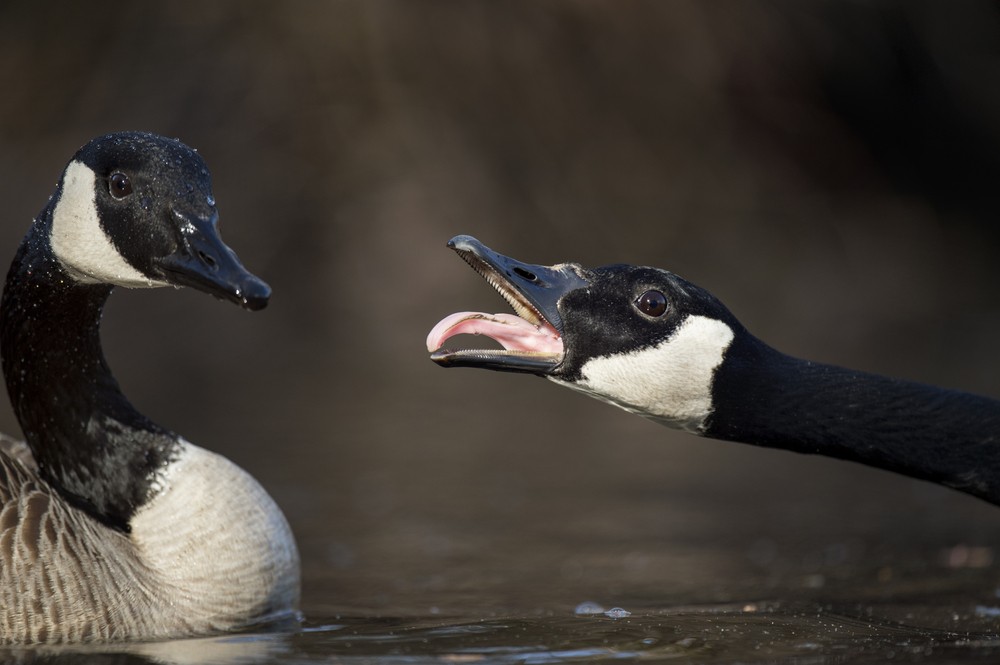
(525,274)
(207,259)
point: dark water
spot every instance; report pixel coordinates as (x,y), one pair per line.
(753,633)
(697,635)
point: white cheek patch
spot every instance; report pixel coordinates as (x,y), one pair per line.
(670,382)
(79,242)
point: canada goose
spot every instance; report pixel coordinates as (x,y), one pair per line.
(657,345)
(112,527)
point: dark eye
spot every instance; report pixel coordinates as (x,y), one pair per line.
(652,303)
(120,185)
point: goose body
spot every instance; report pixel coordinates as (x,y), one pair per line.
(659,346)
(111,526)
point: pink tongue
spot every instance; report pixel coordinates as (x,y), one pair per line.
(513,332)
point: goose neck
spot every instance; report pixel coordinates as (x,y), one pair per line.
(88,440)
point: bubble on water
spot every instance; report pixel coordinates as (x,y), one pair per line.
(588,607)
(617,613)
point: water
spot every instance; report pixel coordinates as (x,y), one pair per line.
(715,634)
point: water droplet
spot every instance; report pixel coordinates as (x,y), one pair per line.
(588,607)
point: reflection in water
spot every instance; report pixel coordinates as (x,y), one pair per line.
(718,634)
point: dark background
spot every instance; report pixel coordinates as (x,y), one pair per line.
(829,169)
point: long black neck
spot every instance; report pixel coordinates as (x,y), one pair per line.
(766,398)
(89,442)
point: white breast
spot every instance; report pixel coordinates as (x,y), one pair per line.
(218,541)
(670,382)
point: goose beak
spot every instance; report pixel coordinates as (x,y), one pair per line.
(202,261)
(532,337)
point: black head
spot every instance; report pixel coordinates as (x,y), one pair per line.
(640,338)
(568,315)
(626,309)
(137,209)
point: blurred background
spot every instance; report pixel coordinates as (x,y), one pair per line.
(829,170)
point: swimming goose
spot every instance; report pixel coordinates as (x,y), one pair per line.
(111,526)
(657,345)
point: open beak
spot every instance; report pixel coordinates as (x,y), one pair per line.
(532,337)
(202,261)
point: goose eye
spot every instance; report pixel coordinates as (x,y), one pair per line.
(652,303)
(119,185)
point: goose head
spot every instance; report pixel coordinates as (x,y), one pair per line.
(137,210)
(641,338)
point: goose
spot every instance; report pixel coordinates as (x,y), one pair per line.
(654,344)
(112,527)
